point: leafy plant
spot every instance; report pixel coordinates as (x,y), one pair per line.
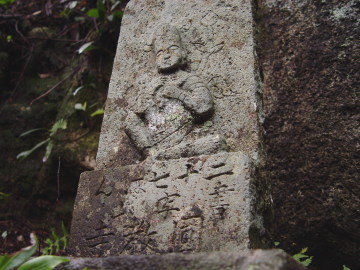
(61,124)
(57,243)
(83,107)
(105,12)
(6,2)
(19,259)
(86,47)
(4,234)
(97,112)
(4,195)
(101,11)
(303,258)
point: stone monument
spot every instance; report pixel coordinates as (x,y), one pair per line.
(180,139)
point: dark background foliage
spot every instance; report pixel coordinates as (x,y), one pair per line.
(40,69)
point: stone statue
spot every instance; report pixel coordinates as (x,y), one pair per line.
(166,181)
(169,106)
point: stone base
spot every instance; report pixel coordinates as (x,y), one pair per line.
(196,204)
(255,259)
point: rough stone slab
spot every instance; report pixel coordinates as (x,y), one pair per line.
(184,205)
(310,61)
(180,139)
(218,50)
(256,259)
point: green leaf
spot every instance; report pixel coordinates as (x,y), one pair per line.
(4,234)
(54,235)
(20,256)
(46,251)
(346,268)
(65,235)
(299,256)
(276,244)
(6,2)
(49,241)
(49,148)
(5,260)
(79,19)
(93,13)
(4,195)
(46,262)
(80,107)
(25,154)
(64,230)
(97,112)
(93,105)
(118,14)
(77,90)
(303,250)
(115,5)
(101,9)
(307,262)
(60,124)
(30,131)
(86,47)
(72,4)
(115,16)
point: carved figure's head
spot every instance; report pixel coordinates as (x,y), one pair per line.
(168,49)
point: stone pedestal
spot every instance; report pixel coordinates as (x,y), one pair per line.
(184,205)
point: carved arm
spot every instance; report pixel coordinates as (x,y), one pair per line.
(194,95)
(137,131)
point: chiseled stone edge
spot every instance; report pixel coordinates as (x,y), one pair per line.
(274,259)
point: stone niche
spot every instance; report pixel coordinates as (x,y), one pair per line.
(180,139)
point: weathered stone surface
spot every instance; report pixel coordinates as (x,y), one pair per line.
(184,205)
(206,88)
(309,53)
(180,138)
(256,259)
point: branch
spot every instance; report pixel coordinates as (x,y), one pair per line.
(52,88)
(10,16)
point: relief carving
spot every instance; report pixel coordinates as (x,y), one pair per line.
(174,184)
(168,107)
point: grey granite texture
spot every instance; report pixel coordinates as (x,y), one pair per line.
(184,70)
(180,141)
(201,203)
(309,55)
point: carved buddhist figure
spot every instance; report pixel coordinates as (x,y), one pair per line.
(168,107)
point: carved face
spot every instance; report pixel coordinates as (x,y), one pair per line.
(168,55)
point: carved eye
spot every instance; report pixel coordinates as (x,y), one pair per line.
(159,53)
(174,47)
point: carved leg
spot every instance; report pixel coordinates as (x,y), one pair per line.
(204,146)
(137,131)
